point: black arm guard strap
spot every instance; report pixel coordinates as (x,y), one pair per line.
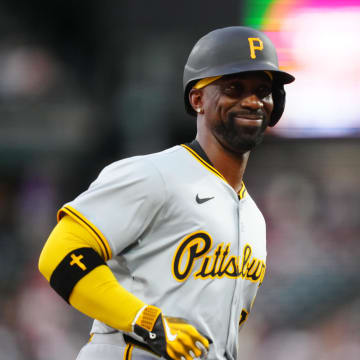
(72,268)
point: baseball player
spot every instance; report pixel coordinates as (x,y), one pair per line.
(167,251)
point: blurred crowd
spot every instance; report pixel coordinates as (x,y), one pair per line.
(309,303)
(55,135)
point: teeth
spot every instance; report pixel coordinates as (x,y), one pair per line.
(248,118)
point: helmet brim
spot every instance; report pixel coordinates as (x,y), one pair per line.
(280,78)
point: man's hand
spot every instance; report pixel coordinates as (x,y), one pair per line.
(171,338)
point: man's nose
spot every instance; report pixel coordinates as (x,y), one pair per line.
(251,101)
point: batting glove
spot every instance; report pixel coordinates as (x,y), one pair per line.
(171,338)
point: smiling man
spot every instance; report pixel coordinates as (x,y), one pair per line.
(186,241)
(235,111)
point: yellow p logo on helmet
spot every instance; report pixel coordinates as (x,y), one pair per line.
(255,44)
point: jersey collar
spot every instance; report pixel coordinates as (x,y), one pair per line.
(198,152)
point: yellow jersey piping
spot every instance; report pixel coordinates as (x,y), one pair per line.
(242,191)
(128,351)
(203,162)
(100,238)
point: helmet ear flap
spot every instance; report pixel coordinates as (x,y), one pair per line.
(279,97)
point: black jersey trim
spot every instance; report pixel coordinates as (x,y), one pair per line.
(128,351)
(194,145)
(72,268)
(198,152)
(101,240)
(203,162)
(242,191)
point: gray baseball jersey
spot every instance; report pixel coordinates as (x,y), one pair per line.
(180,238)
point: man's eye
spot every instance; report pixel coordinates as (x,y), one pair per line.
(229,88)
(233,90)
(263,92)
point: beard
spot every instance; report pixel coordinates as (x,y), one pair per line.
(239,139)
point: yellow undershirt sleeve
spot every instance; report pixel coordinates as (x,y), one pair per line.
(98,294)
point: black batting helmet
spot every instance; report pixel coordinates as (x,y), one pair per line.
(234,50)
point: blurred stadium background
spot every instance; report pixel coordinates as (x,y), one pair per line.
(85,83)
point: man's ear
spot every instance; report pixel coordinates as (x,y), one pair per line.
(196,99)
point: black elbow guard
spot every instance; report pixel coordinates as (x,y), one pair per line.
(75,265)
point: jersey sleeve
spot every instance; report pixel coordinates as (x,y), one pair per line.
(120,204)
